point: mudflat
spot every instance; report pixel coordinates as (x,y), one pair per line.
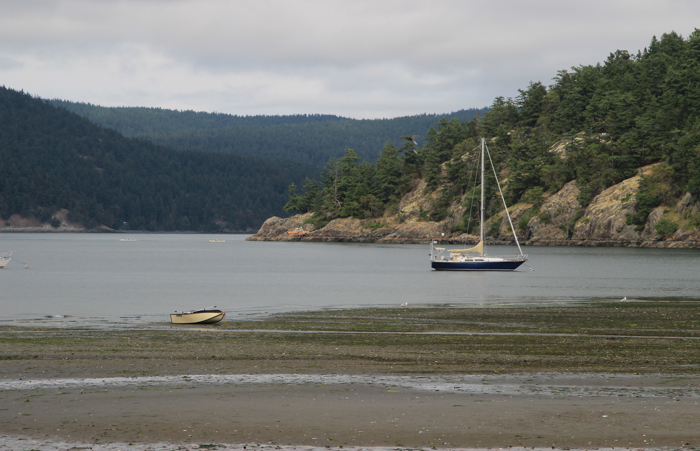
(599,375)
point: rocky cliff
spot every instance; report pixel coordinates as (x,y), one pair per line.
(559,221)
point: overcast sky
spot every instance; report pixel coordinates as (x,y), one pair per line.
(354,58)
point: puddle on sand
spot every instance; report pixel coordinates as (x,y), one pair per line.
(550,385)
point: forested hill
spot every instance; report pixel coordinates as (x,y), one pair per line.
(308,138)
(51,159)
(596,125)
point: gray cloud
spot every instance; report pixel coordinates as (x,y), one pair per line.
(352,58)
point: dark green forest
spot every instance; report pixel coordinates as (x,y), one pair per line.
(307,138)
(612,118)
(52,159)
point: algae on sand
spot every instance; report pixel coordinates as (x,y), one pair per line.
(645,336)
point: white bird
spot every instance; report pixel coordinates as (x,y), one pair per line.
(405,304)
(623,299)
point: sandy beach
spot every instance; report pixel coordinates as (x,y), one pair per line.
(577,411)
(66,389)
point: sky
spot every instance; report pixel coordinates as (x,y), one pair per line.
(352,58)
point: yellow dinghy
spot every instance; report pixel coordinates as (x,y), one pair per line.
(209,315)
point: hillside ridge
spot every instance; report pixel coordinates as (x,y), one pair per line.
(308,138)
(60,172)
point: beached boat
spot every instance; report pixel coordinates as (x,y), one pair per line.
(5,259)
(475,258)
(209,315)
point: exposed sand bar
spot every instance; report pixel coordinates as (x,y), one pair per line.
(637,386)
(552,384)
(313,410)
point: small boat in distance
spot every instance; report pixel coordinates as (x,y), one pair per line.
(474,258)
(126,239)
(209,315)
(5,259)
(299,231)
(217,241)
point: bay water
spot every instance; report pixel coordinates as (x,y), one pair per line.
(98,279)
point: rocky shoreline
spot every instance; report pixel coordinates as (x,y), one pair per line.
(17,223)
(352,230)
(560,222)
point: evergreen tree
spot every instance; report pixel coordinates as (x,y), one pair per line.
(292,204)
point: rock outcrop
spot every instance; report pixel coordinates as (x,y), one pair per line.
(559,221)
(552,226)
(404,227)
(604,220)
(349,230)
(277,229)
(413,203)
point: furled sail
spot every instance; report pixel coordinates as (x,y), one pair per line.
(479,249)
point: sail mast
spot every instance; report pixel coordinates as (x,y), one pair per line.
(481,222)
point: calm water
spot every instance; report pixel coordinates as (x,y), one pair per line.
(95,278)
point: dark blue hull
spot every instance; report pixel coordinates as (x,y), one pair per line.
(505,265)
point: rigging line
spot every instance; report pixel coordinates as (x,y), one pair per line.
(25,265)
(503,199)
(471,204)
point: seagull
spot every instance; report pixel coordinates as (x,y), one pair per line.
(405,304)
(623,299)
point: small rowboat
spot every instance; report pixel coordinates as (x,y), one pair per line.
(209,315)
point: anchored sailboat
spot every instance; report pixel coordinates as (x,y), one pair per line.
(474,258)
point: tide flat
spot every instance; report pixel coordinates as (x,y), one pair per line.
(373,385)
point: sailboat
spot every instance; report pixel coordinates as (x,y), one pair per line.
(475,258)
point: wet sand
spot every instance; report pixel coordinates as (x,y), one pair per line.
(576,411)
